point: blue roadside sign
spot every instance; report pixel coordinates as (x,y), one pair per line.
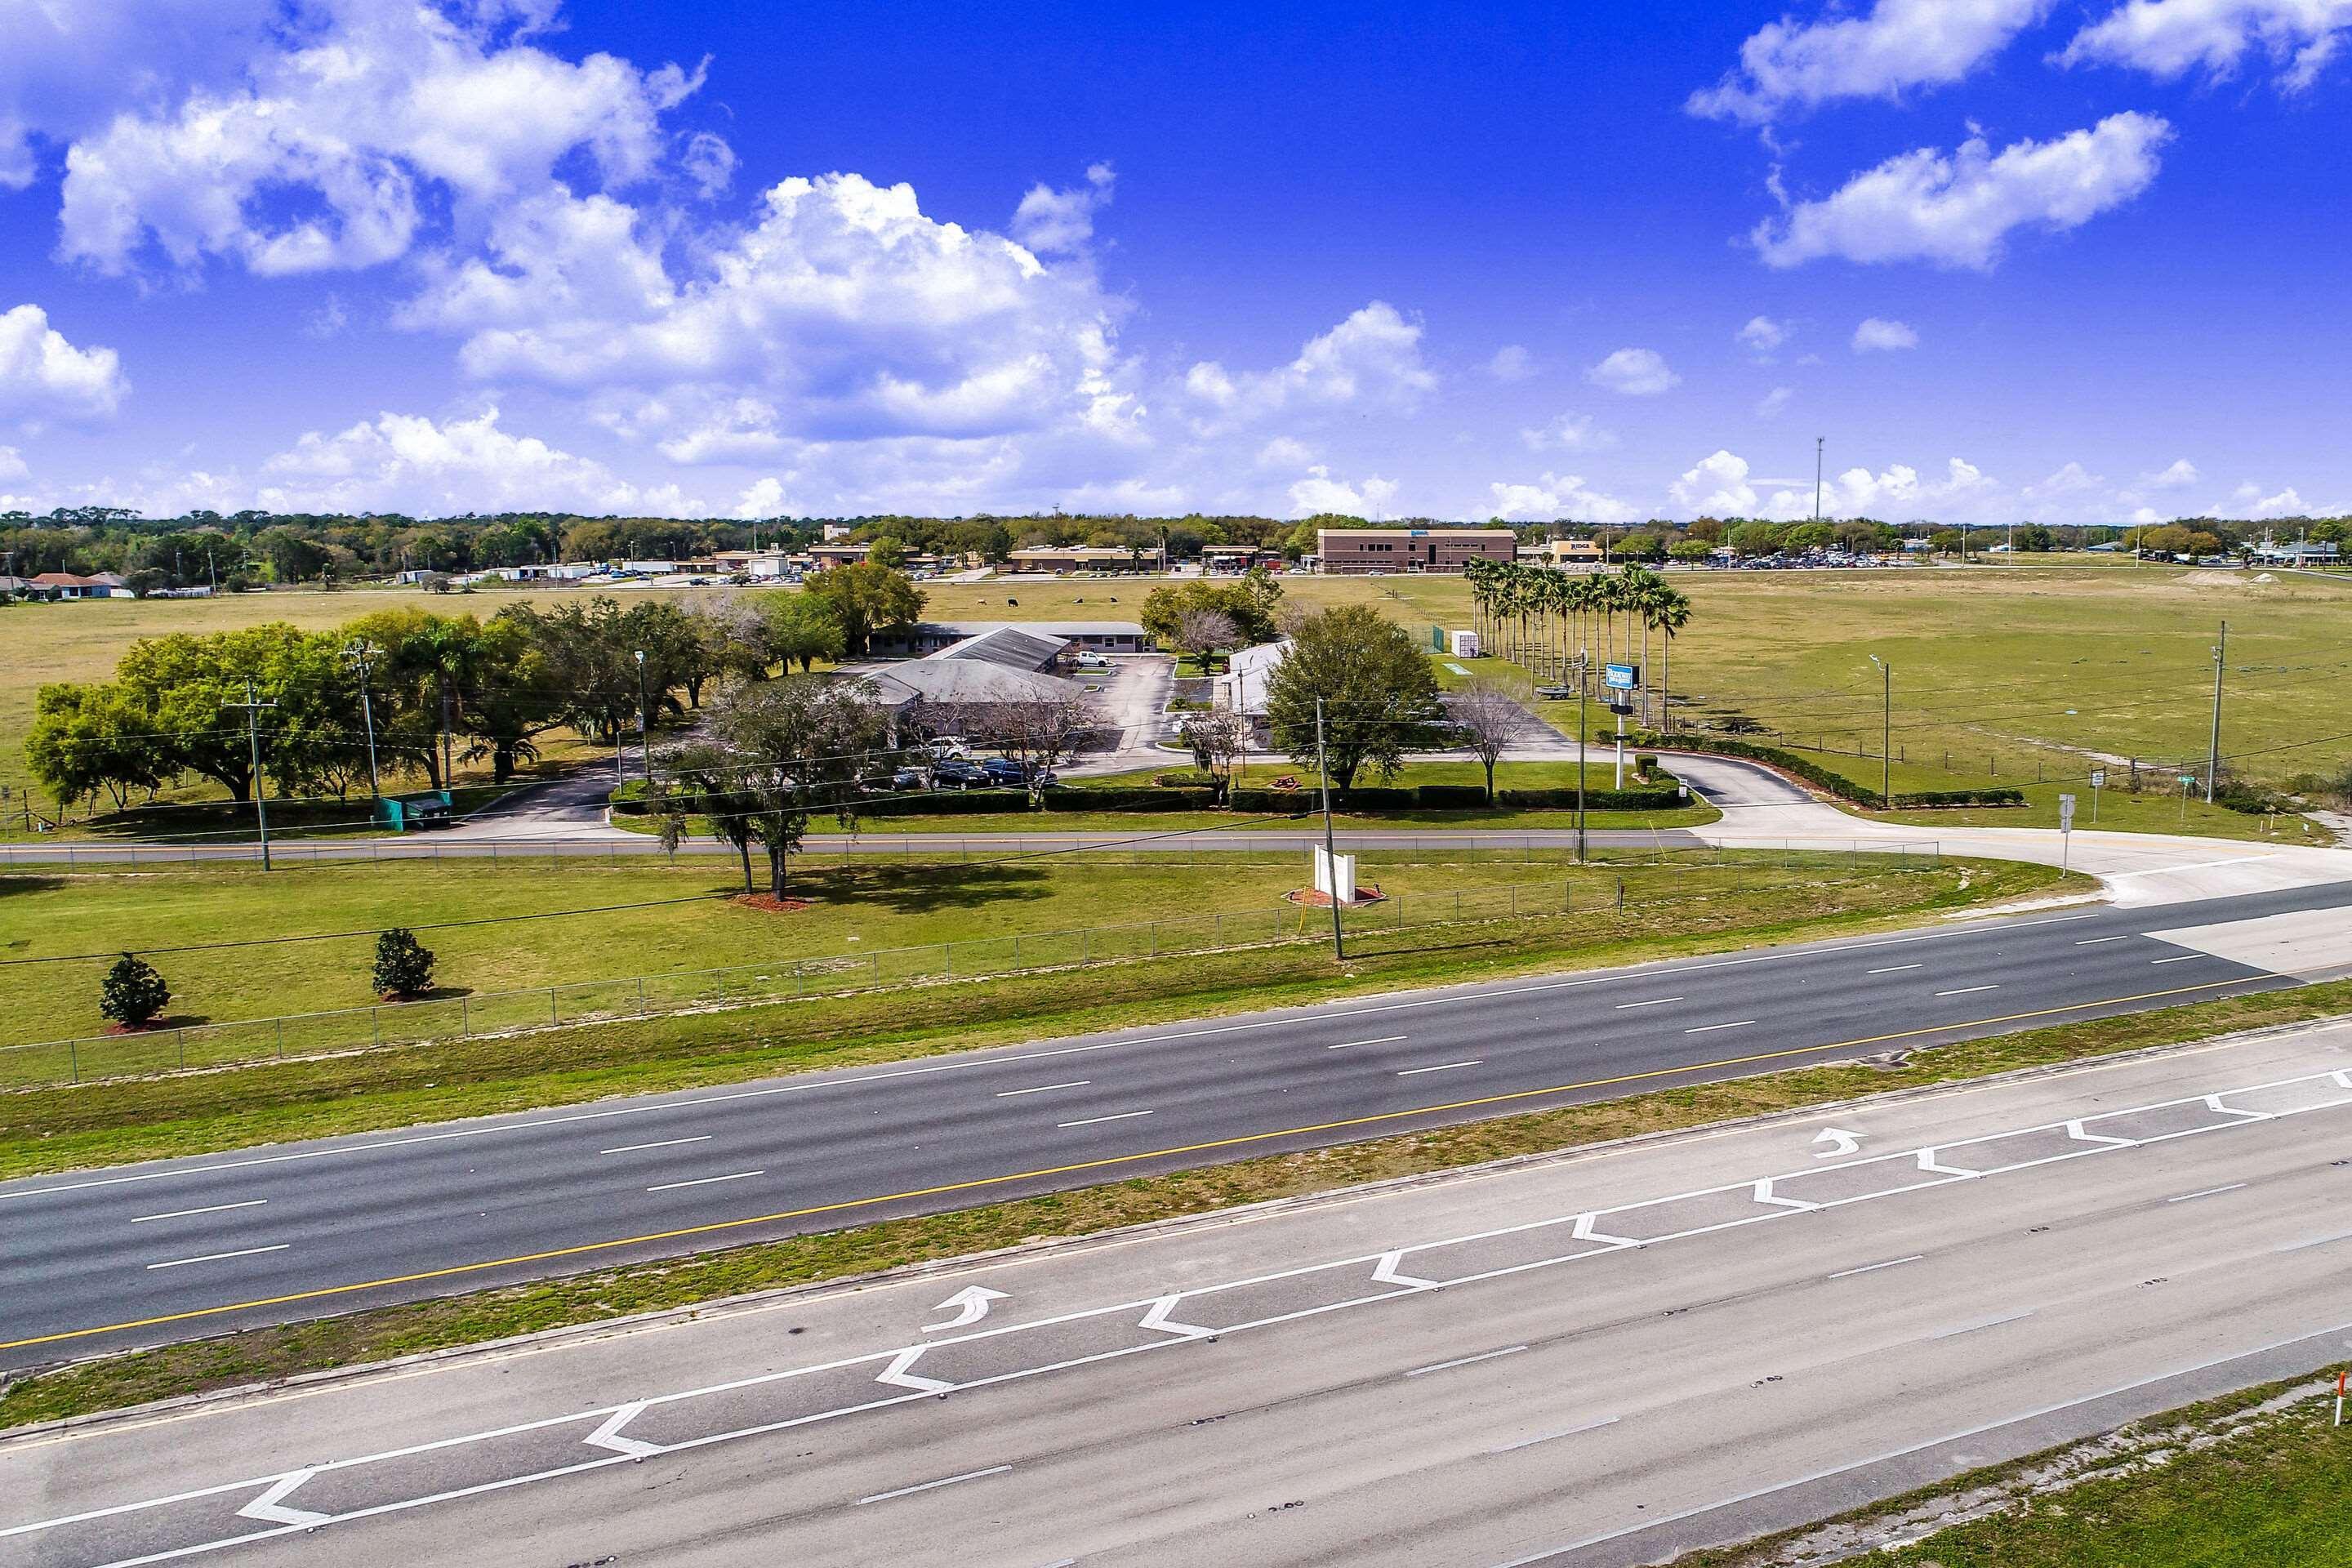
(1620,677)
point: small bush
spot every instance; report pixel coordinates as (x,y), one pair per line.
(132,993)
(404,966)
(1452,797)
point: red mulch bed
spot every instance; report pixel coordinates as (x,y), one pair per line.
(770,902)
(1366,893)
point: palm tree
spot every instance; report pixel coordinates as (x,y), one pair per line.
(1673,613)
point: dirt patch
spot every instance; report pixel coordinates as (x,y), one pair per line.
(770,903)
(1366,893)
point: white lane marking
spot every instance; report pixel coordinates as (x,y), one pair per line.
(2200,866)
(927,1485)
(2315,1241)
(1895,969)
(1982,1323)
(1552,1436)
(1442,1066)
(967,1064)
(1875,1268)
(924,1387)
(608,1436)
(1091,1120)
(222,1257)
(2181,959)
(1465,1361)
(1968,990)
(706,1181)
(266,1508)
(665,1143)
(184,1213)
(2206,1193)
(1043,1088)
(1710,1028)
(1383,1040)
(1553,1553)
(2096,941)
(1653,1002)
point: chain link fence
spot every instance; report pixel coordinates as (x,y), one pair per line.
(1609,884)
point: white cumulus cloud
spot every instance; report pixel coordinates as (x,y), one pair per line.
(42,373)
(1878,334)
(1319,493)
(1636,372)
(1717,485)
(2181,473)
(2169,38)
(1762,335)
(764,497)
(1770,405)
(411,463)
(1788,66)
(1049,221)
(1372,358)
(1958,209)
(1511,363)
(1570,432)
(1556,496)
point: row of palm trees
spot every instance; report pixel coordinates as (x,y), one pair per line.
(1562,625)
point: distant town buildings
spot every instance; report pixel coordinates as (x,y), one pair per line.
(1358,552)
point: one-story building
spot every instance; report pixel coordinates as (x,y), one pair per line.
(1063,558)
(928,637)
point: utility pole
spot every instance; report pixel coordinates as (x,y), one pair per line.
(1886,732)
(360,655)
(253,706)
(1818,442)
(1582,688)
(1330,852)
(2213,747)
(449,764)
(645,754)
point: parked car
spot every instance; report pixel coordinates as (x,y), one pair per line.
(946,746)
(910,778)
(1004,771)
(1089,660)
(959,773)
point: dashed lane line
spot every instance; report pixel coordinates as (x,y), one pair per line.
(663,1143)
(222,1256)
(187,1213)
(706,1181)
(927,1485)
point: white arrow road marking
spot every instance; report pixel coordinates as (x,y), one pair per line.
(1385,1273)
(1840,1144)
(969,1305)
(1158,1318)
(898,1377)
(608,1435)
(1584,1232)
(264,1507)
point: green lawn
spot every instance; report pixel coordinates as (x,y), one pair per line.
(856,912)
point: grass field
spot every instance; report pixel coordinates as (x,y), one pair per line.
(2001,675)
(681,921)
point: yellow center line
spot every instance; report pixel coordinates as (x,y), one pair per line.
(1107,1162)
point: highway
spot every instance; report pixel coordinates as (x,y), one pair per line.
(1591,1359)
(201,1246)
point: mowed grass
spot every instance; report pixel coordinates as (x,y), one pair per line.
(684,919)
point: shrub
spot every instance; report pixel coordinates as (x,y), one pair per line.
(1594,799)
(132,993)
(404,966)
(1274,802)
(1451,797)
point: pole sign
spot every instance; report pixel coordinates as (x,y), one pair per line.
(1620,677)
(2065,812)
(2098,778)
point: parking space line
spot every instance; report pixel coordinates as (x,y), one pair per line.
(927,1485)
(1383,1040)
(706,1181)
(1875,1268)
(1465,1361)
(1653,1002)
(222,1257)
(1710,1028)
(184,1213)
(665,1143)
(1442,1066)
(1091,1120)
(1043,1088)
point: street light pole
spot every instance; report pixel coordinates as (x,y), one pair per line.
(1818,441)
(1331,853)
(1582,693)
(253,706)
(1886,732)
(2213,746)
(362,654)
(644,754)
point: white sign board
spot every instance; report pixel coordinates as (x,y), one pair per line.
(2065,811)
(1335,876)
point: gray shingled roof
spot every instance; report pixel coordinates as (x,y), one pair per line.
(1007,646)
(960,680)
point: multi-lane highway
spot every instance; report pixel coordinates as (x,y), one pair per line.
(1598,1358)
(112,1257)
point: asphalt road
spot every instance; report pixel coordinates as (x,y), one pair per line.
(205,1245)
(1595,1360)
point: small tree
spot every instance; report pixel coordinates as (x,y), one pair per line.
(134,993)
(1220,743)
(1486,722)
(1204,634)
(1379,697)
(404,966)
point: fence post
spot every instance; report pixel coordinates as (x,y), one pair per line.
(282,1039)
(1621,895)
(375,1024)
(179,1035)
(464,1017)
(641,996)
(73,1060)
(550,1005)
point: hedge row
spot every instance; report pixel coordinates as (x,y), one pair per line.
(628,800)
(1838,785)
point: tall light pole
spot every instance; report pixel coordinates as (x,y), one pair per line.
(1886,732)
(1331,851)
(645,754)
(1818,441)
(253,706)
(1582,691)
(2213,746)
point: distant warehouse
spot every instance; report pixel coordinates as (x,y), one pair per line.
(1358,551)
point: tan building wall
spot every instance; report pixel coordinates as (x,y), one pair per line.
(1352,552)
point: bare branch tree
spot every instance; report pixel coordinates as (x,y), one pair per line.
(1205,633)
(1486,722)
(1038,733)
(1219,742)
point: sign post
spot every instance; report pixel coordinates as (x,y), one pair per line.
(2098,782)
(2066,832)
(2187,780)
(1622,681)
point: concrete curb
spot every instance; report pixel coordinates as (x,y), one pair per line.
(674,1317)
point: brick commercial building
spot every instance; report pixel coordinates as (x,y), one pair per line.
(1354,552)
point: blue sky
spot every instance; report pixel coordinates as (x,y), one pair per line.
(2064,259)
